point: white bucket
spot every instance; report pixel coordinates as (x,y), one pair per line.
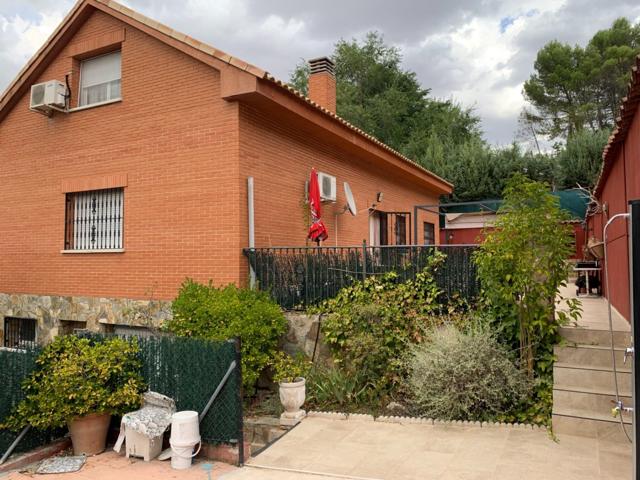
(185,435)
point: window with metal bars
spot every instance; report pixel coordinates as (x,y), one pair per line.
(19,332)
(94,220)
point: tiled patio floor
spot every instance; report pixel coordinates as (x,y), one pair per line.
(388,451)
(594,311)
(111,466)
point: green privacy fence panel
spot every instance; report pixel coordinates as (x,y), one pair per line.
(15,366)
(301,276)
(189,370)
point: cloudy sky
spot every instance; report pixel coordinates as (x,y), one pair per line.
(478,52)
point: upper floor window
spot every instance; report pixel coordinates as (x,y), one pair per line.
(100,79)
(94,220)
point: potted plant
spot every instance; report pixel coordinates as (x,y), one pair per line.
(289,373)
(80,383)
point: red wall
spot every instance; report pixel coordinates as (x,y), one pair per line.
(471,236)
(621,185)
(461,236)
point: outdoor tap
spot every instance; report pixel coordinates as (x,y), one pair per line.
(628,352)
(620,408)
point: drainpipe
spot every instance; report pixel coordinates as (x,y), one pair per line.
(634,276)
(252,233)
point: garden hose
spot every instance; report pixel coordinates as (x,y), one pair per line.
(619,406)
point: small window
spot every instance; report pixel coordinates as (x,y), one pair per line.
(94,220)
(131,331)
(19,332)
(100,79)
(429,232)
(69,327)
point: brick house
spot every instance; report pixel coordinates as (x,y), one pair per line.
(617,185)
(137,174)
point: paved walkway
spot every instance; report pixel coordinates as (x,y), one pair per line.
(376,450)
(594,311)
(111,466)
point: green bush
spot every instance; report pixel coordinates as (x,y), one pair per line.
(287,368)
(370,324)
(204,311)
(76,377)
(336,389)
(464,376)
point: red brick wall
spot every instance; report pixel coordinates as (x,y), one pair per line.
(177,142)
(280,160)
(178,145)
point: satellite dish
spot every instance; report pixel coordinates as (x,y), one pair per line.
(351,203)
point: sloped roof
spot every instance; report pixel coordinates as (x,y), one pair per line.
(628,109)
(110,6)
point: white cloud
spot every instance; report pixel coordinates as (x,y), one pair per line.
(478,53)
(20,38)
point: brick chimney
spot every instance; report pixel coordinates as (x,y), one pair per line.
(322,83)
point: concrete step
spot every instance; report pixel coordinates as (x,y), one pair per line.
(575,376)
(589,355)
(590,401)
(589,336)
(604,428)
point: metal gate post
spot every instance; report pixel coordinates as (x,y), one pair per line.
(238,359)
(634,279)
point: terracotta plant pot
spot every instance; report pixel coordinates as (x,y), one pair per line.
(292,396)
(89,433)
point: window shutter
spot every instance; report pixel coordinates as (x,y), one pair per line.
(103,69)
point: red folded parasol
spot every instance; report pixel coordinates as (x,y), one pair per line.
(317,230)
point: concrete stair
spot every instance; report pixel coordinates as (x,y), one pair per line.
(583,384)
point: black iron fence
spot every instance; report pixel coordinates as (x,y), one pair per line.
(302,276)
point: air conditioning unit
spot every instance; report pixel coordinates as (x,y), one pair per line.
(48,96)
(327,187)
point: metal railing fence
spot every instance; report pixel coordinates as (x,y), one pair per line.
(298,277)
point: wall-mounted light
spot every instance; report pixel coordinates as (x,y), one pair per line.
(379,196)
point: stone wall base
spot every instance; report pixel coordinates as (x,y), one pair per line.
(261,431)
(57,315)
(302,334)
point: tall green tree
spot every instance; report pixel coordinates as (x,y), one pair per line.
(575,88)
(521,267)
(377,95)
(580,159)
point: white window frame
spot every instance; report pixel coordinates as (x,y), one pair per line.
(81,104)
